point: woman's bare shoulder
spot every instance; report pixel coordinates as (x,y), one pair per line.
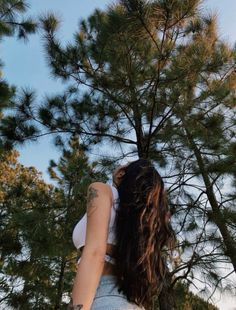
(101,187)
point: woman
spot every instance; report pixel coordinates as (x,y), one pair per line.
(122,265)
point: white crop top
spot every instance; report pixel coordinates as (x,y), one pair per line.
(79,232)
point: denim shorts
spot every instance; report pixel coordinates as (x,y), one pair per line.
(107,296)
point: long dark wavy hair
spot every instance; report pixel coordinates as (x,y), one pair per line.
(142,231)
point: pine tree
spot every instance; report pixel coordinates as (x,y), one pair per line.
(38,258)
(72,174)
(12,22)
(155,79)
(24,201)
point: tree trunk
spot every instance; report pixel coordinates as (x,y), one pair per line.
(60,286)
(217,217)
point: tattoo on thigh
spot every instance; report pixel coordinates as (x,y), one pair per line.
(92,193)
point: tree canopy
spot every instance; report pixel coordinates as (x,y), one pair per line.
(12,22)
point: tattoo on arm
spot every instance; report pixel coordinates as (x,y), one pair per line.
(75,307)
(92,193)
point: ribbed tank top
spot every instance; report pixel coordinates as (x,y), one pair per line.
(79,232)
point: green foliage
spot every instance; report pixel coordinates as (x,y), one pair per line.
(186,300)
(12,22)
(37,257)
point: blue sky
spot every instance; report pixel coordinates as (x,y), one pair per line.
(25,66)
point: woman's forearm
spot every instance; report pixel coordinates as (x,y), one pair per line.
(87,278)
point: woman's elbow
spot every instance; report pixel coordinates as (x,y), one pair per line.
(96,252)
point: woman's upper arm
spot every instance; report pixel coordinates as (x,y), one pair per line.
(99,202)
